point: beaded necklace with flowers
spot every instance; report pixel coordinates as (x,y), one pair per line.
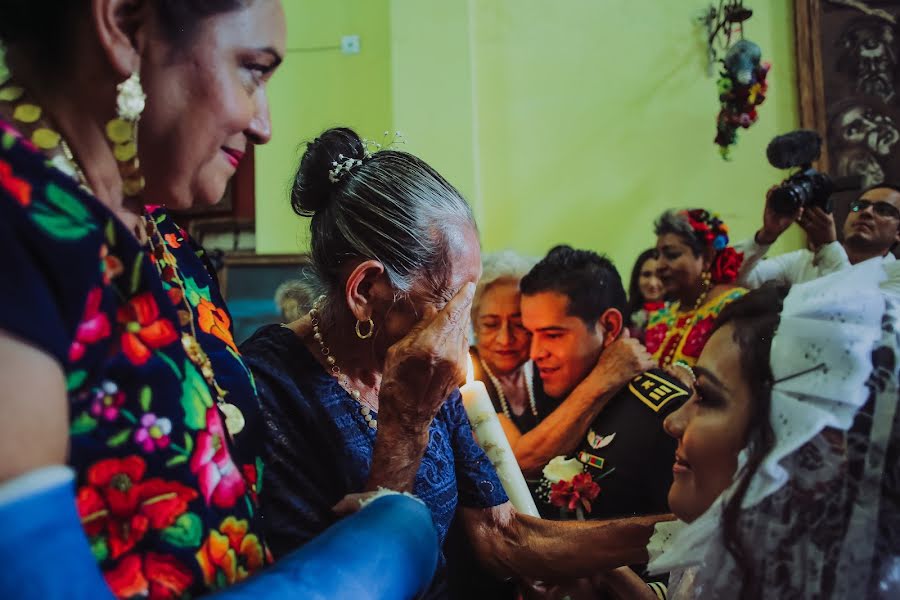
(676,334)
(122,133)
(333,367)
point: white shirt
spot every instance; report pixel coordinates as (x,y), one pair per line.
(801,266)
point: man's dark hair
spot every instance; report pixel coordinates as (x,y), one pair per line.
(590,282)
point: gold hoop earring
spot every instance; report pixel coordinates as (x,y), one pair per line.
(123,133)
(359,333)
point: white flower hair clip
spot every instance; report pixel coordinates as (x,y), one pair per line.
(388,140)
(342,166)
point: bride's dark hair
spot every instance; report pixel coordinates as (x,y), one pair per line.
(755,318)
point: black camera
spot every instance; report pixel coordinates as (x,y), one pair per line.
(807,187)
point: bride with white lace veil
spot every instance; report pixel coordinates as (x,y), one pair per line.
(787,473)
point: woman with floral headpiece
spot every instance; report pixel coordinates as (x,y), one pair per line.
(698,269)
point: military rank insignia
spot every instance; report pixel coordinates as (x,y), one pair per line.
(656,391)
(599,441)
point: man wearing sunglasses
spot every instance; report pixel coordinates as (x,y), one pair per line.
(872,230)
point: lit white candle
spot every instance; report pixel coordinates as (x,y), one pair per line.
(492,440)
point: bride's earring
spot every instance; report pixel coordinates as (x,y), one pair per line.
(123,133)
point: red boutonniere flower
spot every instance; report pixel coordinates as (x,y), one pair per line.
(653,306)
(581,490)
(726,266)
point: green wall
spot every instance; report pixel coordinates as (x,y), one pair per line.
(574,121)
(319,87)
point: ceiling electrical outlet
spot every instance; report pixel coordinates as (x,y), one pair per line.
(350,44)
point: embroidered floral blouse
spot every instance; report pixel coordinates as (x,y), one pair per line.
(686,332)
(168,502)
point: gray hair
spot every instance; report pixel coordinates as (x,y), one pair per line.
(391,207)
(677,223)
(505,265)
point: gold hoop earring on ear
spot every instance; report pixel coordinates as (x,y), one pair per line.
(368,334)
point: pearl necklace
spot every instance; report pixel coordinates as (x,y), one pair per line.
(234,418)
(343,380)
(529,386)
(670,340)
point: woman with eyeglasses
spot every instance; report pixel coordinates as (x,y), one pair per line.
(872,230)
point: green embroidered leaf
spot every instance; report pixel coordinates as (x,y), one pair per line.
(75,380)
(146,395)
(185,533)
(59,225)
(99,549)
(7,140)
(194,293)
(259,475)
(176,460)
(119,439)
(188,443)
(66,203)
(195,398)
(110,232)
(136,274)
(84,423)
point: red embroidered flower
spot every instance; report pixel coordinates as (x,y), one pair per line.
(582,489)
(94,326)
(230,555)
(251,476)
(726,265)
(144,330)
(215,320)
(220,480)
(117,503)
(698,337)
(172,240)
(654,337)
(17,187)
(110,265)
(153,576)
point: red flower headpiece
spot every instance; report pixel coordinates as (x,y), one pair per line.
(712,232)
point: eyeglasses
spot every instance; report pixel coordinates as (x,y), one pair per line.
(880,207)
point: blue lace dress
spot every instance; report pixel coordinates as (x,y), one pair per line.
(319,447)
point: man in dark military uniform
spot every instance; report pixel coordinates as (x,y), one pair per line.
(573,303)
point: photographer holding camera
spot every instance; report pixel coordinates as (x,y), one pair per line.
(872,228)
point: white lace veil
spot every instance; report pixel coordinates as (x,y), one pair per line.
(821,516)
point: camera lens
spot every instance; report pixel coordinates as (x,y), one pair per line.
(787,199)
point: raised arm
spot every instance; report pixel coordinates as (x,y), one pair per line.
(563,429)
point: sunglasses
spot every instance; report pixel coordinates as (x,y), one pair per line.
(881,208)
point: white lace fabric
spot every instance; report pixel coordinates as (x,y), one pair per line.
(820,518)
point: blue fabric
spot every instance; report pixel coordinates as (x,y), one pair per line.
(319,447)
(44,552)
(387,550)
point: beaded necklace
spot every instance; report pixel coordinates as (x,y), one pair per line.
(672,342)
(234,418)
(529,386)
(29,115)
(336,372)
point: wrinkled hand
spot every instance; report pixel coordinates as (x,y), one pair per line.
(819,226)
(622,361)
(352,503)
(424,367)
(774,223)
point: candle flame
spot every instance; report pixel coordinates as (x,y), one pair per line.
(470,371)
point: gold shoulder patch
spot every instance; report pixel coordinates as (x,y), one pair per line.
(656,391)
